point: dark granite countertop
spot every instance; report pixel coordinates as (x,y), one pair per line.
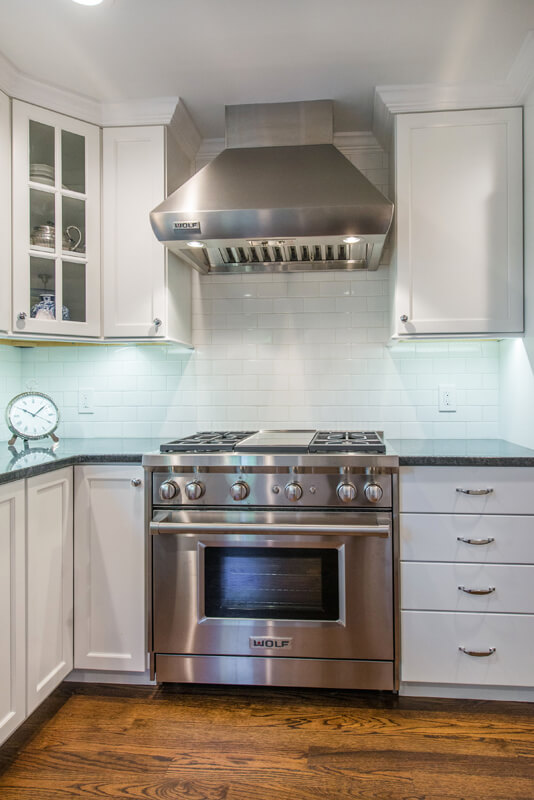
(461,452)
(20,462)
(25,462)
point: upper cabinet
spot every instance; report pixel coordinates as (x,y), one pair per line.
(56,224)
(5,211)
(459,214)
(146,289)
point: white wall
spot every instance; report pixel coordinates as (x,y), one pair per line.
(517,355)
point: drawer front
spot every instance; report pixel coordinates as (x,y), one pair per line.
(437,537)
(435,587)
(434,490)
(431,642)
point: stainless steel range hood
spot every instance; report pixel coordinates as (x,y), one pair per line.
(294,207)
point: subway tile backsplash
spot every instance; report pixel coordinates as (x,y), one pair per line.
(10,381)
(306,350)
(290,364)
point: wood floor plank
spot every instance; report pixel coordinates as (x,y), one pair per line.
(208,744)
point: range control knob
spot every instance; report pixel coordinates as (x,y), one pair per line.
(239,490)
(346,492)
(168,490)
(194,490)
(293,492)
(373,492)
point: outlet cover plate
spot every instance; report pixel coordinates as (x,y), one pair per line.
(86,401)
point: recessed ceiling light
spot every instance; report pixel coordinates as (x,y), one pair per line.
(88,2)
(196,244)
(351,239)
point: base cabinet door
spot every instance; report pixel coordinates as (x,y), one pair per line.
(109,570)
(49,583)
(12,609)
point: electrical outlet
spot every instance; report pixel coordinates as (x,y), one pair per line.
(86,401)
(447,397)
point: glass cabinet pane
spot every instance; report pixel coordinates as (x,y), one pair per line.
(271,583)
(73,224)
(74,291)
(42,158)
(42,220)
(42,288)
(73,162)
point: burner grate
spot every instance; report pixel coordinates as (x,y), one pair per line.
(347,442)
(206,442)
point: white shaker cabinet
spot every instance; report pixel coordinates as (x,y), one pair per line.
(49,583)
(56,224)
(109,570)
(5,212)
(12,608)
(147,289)
(467,578)
(459,212)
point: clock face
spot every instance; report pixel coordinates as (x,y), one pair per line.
(32,415)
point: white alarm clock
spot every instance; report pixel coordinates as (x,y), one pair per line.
(32,415)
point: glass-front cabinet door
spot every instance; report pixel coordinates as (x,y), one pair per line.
(56,224)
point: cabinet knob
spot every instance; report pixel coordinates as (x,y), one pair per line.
(404,318)
(136,481)
(157,322)
(21,315)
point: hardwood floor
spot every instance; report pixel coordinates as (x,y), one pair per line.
(206,743)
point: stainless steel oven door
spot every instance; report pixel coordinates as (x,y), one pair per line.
(292,583)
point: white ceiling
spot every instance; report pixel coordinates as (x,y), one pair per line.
(217,52)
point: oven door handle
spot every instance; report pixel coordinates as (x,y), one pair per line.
(382,531)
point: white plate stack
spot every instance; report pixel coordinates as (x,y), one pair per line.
(42,173)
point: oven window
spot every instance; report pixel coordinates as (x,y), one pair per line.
(271,583)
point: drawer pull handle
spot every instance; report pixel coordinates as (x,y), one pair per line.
(478,653)
(489,540)
(465,589)
(475,491)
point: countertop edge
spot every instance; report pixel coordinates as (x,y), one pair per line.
(136,458)
(466,461)
(69,461)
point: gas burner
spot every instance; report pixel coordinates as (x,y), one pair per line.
(206,442)
(347,442)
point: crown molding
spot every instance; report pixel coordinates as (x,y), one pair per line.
(355,141)
(407,99)
(22,87)
(153,111)
(402,99)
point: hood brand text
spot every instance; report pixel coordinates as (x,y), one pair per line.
(187,226)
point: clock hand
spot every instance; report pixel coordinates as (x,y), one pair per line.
(40,415)
(27,412)
(43,406)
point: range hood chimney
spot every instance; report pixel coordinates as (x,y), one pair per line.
(279,198)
